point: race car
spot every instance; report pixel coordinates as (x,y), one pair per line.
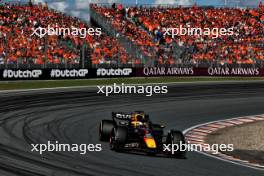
(135,132)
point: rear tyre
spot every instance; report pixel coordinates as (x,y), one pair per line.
(177,138)
(118,138)
(105,129)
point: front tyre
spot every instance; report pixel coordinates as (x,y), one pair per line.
(177,138)
(118,138)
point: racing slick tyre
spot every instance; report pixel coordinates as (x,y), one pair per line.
(105,129)
(176,137)
(118,138)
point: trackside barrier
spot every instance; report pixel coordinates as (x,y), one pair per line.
(55,74)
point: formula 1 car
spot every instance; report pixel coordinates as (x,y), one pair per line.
(134,131)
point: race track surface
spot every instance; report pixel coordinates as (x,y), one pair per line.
(73,116)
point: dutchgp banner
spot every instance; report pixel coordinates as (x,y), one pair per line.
(53,74)
(49,74)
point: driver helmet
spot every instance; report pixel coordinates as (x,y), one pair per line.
(137,120)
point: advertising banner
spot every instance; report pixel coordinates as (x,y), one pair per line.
(190,71)
(57,74)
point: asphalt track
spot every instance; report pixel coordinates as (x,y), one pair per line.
(73,116)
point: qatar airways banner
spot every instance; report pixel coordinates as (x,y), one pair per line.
(190,71)
(54,74)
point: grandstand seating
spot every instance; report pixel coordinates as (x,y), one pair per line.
(18,46)
(144,26)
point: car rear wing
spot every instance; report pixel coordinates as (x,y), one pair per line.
(121,116)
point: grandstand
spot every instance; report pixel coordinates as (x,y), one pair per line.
(132,36)
(143,26)
(18,48)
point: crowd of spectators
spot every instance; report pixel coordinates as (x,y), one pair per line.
(145,26)
(18,45)
(138,36)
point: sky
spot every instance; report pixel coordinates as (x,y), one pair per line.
(80,8)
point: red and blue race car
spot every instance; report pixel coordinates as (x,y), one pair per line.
(135,132)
